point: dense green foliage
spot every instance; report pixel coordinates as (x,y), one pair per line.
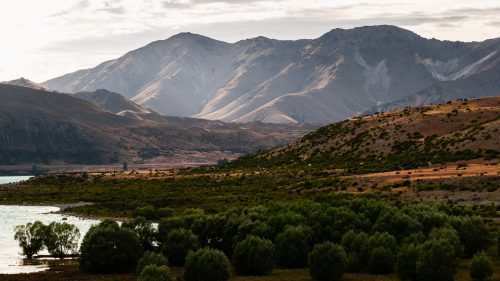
(206,265)
(407,262)
(473,234)
(437,261)
(377,236)
(144,230)
(178,244)
(30,237)
(108,248)
(150,258)
(254,256)
(481,267)
(293,245)
(327,262)
(155,273)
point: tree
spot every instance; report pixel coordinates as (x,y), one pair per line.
(253,256)
(353,243)
(178,244)
(30,238)
(150,258)
(481,267)
(144,230)
(292,246)
(155,273)
(407,262)
(387,249)
(382,261)
(473,233)
(206,265)
(168,224)
(61,239)
(437,261)
(107,248)
(449,234)
(327,262)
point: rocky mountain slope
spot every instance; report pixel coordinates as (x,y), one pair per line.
(460,130)
(46,127)
(322,80)
(486,82)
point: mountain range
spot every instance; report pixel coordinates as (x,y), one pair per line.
(102,127)
(340,74)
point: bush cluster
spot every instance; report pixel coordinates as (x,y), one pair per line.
(331,234)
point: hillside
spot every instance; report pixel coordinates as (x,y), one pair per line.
(23,82)
(45,127)
(321,80)
(120,105)
(460,130)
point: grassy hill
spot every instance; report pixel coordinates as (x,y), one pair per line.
(461,130)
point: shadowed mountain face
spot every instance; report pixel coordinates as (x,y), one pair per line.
(46,127)
(322,80)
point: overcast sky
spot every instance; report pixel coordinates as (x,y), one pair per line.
(42,39)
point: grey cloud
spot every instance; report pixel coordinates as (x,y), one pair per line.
(177,4)
(495,11)
(111,7)
(82,4)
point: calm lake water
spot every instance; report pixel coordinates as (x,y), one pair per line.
(11,260)
(13,179)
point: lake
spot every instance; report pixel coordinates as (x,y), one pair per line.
(10,216)
(13,179)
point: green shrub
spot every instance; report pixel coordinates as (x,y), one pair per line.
(292,246)
(155,273)
(253,256)
(178,244)
(327,262)
(473,233)
(407,262)
(437,261)
(450,235)
(168,224)
(353,243)
(144,230)
(387,249)
(481,267)
(206,265)
(382,261)
(149,258)
(107,248)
